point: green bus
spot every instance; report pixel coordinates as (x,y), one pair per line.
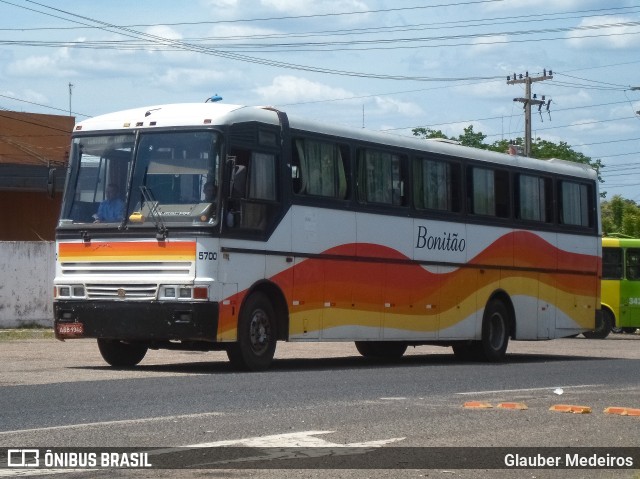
(620,295)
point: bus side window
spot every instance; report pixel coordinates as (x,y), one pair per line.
(318,169)
(253,190)
(436,185)
(381,177)
(633,264)
(489,192)
(533,198)
(612,263)
(575,204)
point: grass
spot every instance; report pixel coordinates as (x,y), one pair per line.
(26,333)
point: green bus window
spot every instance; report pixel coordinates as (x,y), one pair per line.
(633,264)
(612,263)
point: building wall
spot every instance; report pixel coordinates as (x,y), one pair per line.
(26,286)
(28,215)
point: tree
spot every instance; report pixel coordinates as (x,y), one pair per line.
(618,215)
(621,216)
(540,148)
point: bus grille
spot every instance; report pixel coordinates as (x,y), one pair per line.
(127,268)
(118,291)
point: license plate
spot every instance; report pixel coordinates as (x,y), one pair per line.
(70,329)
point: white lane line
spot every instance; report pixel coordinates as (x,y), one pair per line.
(566,388)
(277,446)
(113,423)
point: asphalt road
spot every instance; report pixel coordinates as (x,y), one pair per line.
(56,394)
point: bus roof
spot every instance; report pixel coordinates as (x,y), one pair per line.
(214,113)
(620,241)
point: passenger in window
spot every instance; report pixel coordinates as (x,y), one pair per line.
(112,208)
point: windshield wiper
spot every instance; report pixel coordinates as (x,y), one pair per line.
(162,232)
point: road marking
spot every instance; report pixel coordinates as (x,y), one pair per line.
(111,423)
(528,389)
(293,445)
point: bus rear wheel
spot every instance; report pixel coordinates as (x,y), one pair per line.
(257,335)
(381,349)
(495,332)
(120,354)
(604,322)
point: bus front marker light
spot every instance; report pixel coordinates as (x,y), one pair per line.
(200,292)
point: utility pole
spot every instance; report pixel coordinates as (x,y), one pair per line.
(70,88)
(528,101)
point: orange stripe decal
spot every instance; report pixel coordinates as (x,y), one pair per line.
(128,251)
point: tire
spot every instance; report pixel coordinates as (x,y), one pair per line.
(120,354)
(495,332)
(257,335)
(381,349)
(603,326)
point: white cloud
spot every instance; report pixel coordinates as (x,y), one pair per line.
(190,78)
(585,124)
(312,7)
(388,105)
(537,5)
(56,65)
(485,44)
(290,89)
(617,35)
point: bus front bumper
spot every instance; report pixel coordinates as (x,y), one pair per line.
(149,322)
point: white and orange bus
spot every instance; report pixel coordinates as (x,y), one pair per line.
(220,227)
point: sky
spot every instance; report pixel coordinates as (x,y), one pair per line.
(384,65)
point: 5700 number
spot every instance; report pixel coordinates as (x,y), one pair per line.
(207,255)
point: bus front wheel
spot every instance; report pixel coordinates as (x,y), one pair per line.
(257,335)
(120,354)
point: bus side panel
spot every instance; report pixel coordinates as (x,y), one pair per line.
(611,297)
(629,301)
(578,288)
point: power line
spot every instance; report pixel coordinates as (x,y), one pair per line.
(493,38)
(317,15)
(244,58)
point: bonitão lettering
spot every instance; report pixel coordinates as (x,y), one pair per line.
(445,242)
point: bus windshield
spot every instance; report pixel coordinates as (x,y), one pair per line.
(170,177)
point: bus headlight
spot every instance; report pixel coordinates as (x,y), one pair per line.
(72,291)
(183,292)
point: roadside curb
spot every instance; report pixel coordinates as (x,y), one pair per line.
(565,408)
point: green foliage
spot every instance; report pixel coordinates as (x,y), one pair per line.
(621,216)
(540,148)
(618,215)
